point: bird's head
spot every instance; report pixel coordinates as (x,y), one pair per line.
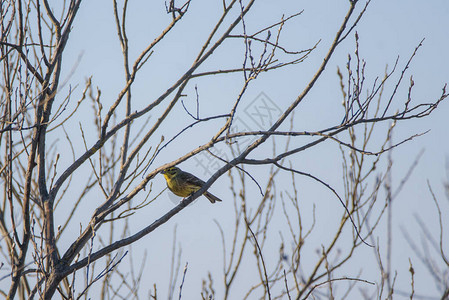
(170,172)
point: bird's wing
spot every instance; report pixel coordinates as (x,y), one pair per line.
(191,179)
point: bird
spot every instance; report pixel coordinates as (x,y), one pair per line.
(184,184)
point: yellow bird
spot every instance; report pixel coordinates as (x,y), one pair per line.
(184,184)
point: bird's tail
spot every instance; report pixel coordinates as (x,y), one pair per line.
(211,197)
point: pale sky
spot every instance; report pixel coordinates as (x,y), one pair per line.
(387,30)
